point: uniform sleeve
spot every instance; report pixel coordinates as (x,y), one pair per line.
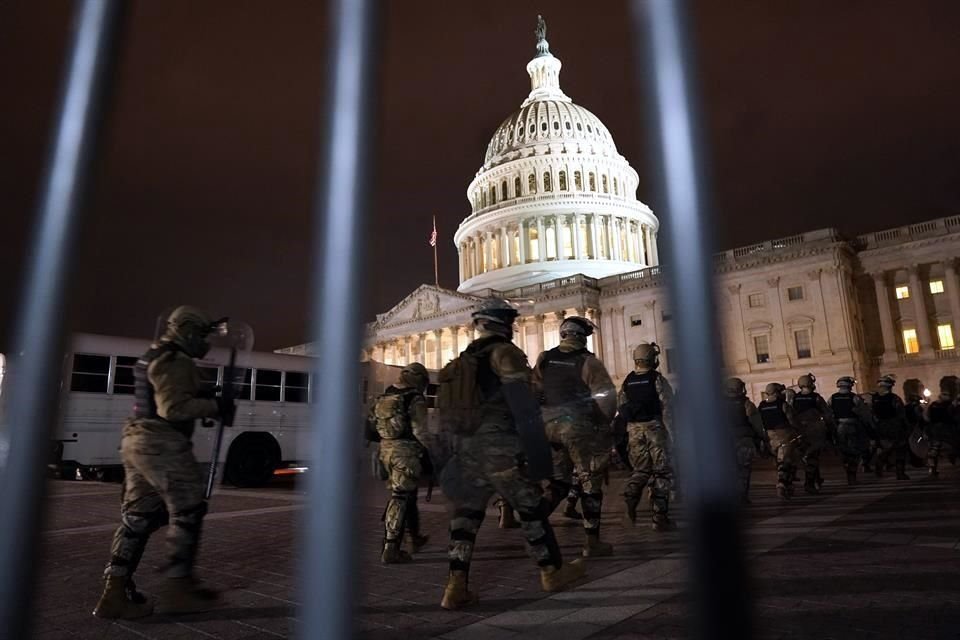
(665,393)
(900,407)
(825,410)
(175,388)
(753,415)
(601,387)
(791,416)
(510,364)
(418,418)
(537,377)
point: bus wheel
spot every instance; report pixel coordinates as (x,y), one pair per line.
(251,460)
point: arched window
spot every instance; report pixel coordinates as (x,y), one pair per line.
(493,194)
(616,187)
(533,248)
(577,181)
(516,187)
(567,124)
(532,183)
(483,199)
(593,181)
(547,184)
(503,190)
(606,187)
(543,126)
(563,181)
(556,125)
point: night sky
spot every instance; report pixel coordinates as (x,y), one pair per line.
(818,113)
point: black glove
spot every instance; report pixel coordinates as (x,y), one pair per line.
(227,409)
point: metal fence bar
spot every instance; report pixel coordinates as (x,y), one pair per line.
(718,575)
(34,372)
(329,568)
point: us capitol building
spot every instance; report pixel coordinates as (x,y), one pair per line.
(556,226)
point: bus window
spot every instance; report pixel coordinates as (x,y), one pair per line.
(295,386)
(90,373)
(268,385)
(243,390)
(123,375)
(208,377)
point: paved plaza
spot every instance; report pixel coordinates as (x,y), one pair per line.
(881,560)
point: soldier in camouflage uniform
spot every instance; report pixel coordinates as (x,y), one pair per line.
(163,483)
(815,423)
(941,418)
(853,438)
(490,459)
(776,415)
(890,427)
(579,401)
(646,406)
(400,418)
(749,436)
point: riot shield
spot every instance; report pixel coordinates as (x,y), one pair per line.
(919,443)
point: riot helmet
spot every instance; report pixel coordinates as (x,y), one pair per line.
(415,375)
(736,388)
(495,315)
(950,386)
(887,382)
(773,390)
(189,327)
(913,389)
(576,326)
(808,381)
(647,354)
(846,383)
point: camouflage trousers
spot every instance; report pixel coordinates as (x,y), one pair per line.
(891,440)
(162,485)
(939,435)
(785,446)
(746,450)
(812,444)
(581,455)
(484,464)
(401,459)
(648,446)
(853,443)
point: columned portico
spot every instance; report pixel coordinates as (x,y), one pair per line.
(886,316)
(922,320)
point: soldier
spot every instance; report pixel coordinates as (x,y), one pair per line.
(400,418)
(488,390)
(579,401)
(890,427)
(749,436)
(850,412)
(941,418)
(163,482)
(646,406)
(777,418)
(815,423)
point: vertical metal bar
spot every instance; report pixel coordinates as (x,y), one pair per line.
(327,583)
(718,575)
(35,370)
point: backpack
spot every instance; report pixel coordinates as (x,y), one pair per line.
(460,395)
(391,413)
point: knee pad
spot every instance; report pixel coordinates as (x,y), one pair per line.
(140,524)
(190,518)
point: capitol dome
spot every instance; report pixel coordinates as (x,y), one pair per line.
(553,198)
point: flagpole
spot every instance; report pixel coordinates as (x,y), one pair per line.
(436,272)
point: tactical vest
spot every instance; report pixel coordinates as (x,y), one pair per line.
(940,412)
(145,407)
(841,403)
(562,380)
(392,413)
(737,415)
(772,414)
(913,413)
(883,406)
(804,402)
(643,401)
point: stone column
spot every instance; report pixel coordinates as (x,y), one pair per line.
(504,248)
(594,239)
(558,222)
(438,353)
(593,315)
(408,348)
(822,341)
(886,317)
(488,250)
(920,310)
(779,352)
(522,238)
(653,247)
(615,238)
(541,239)
(953,295)
(577,255)
(540,338)
(423,349)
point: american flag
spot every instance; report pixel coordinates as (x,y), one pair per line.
(433,235)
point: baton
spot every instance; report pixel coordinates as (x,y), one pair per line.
(228,396)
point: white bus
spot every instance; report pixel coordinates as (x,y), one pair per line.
(269,431)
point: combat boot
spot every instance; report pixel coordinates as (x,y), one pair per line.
(932,473)
(554,579)
(662,523)
(455,594)
(185,595)
(630,516)
(507,521)
(571,511)
(114,604)
(593,548)
(418,542)
(783,492)
(393,554)
(902,470)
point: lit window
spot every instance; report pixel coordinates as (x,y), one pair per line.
(533,251)
(532,183)
(761,345)
(802,340)
(902,292)
(910,344)
(551,243)
(755,300)
(794,293)
(945,333)
(547,183)
(563,181)
(936,286)
(577,181)
(593,181)
(567,230)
